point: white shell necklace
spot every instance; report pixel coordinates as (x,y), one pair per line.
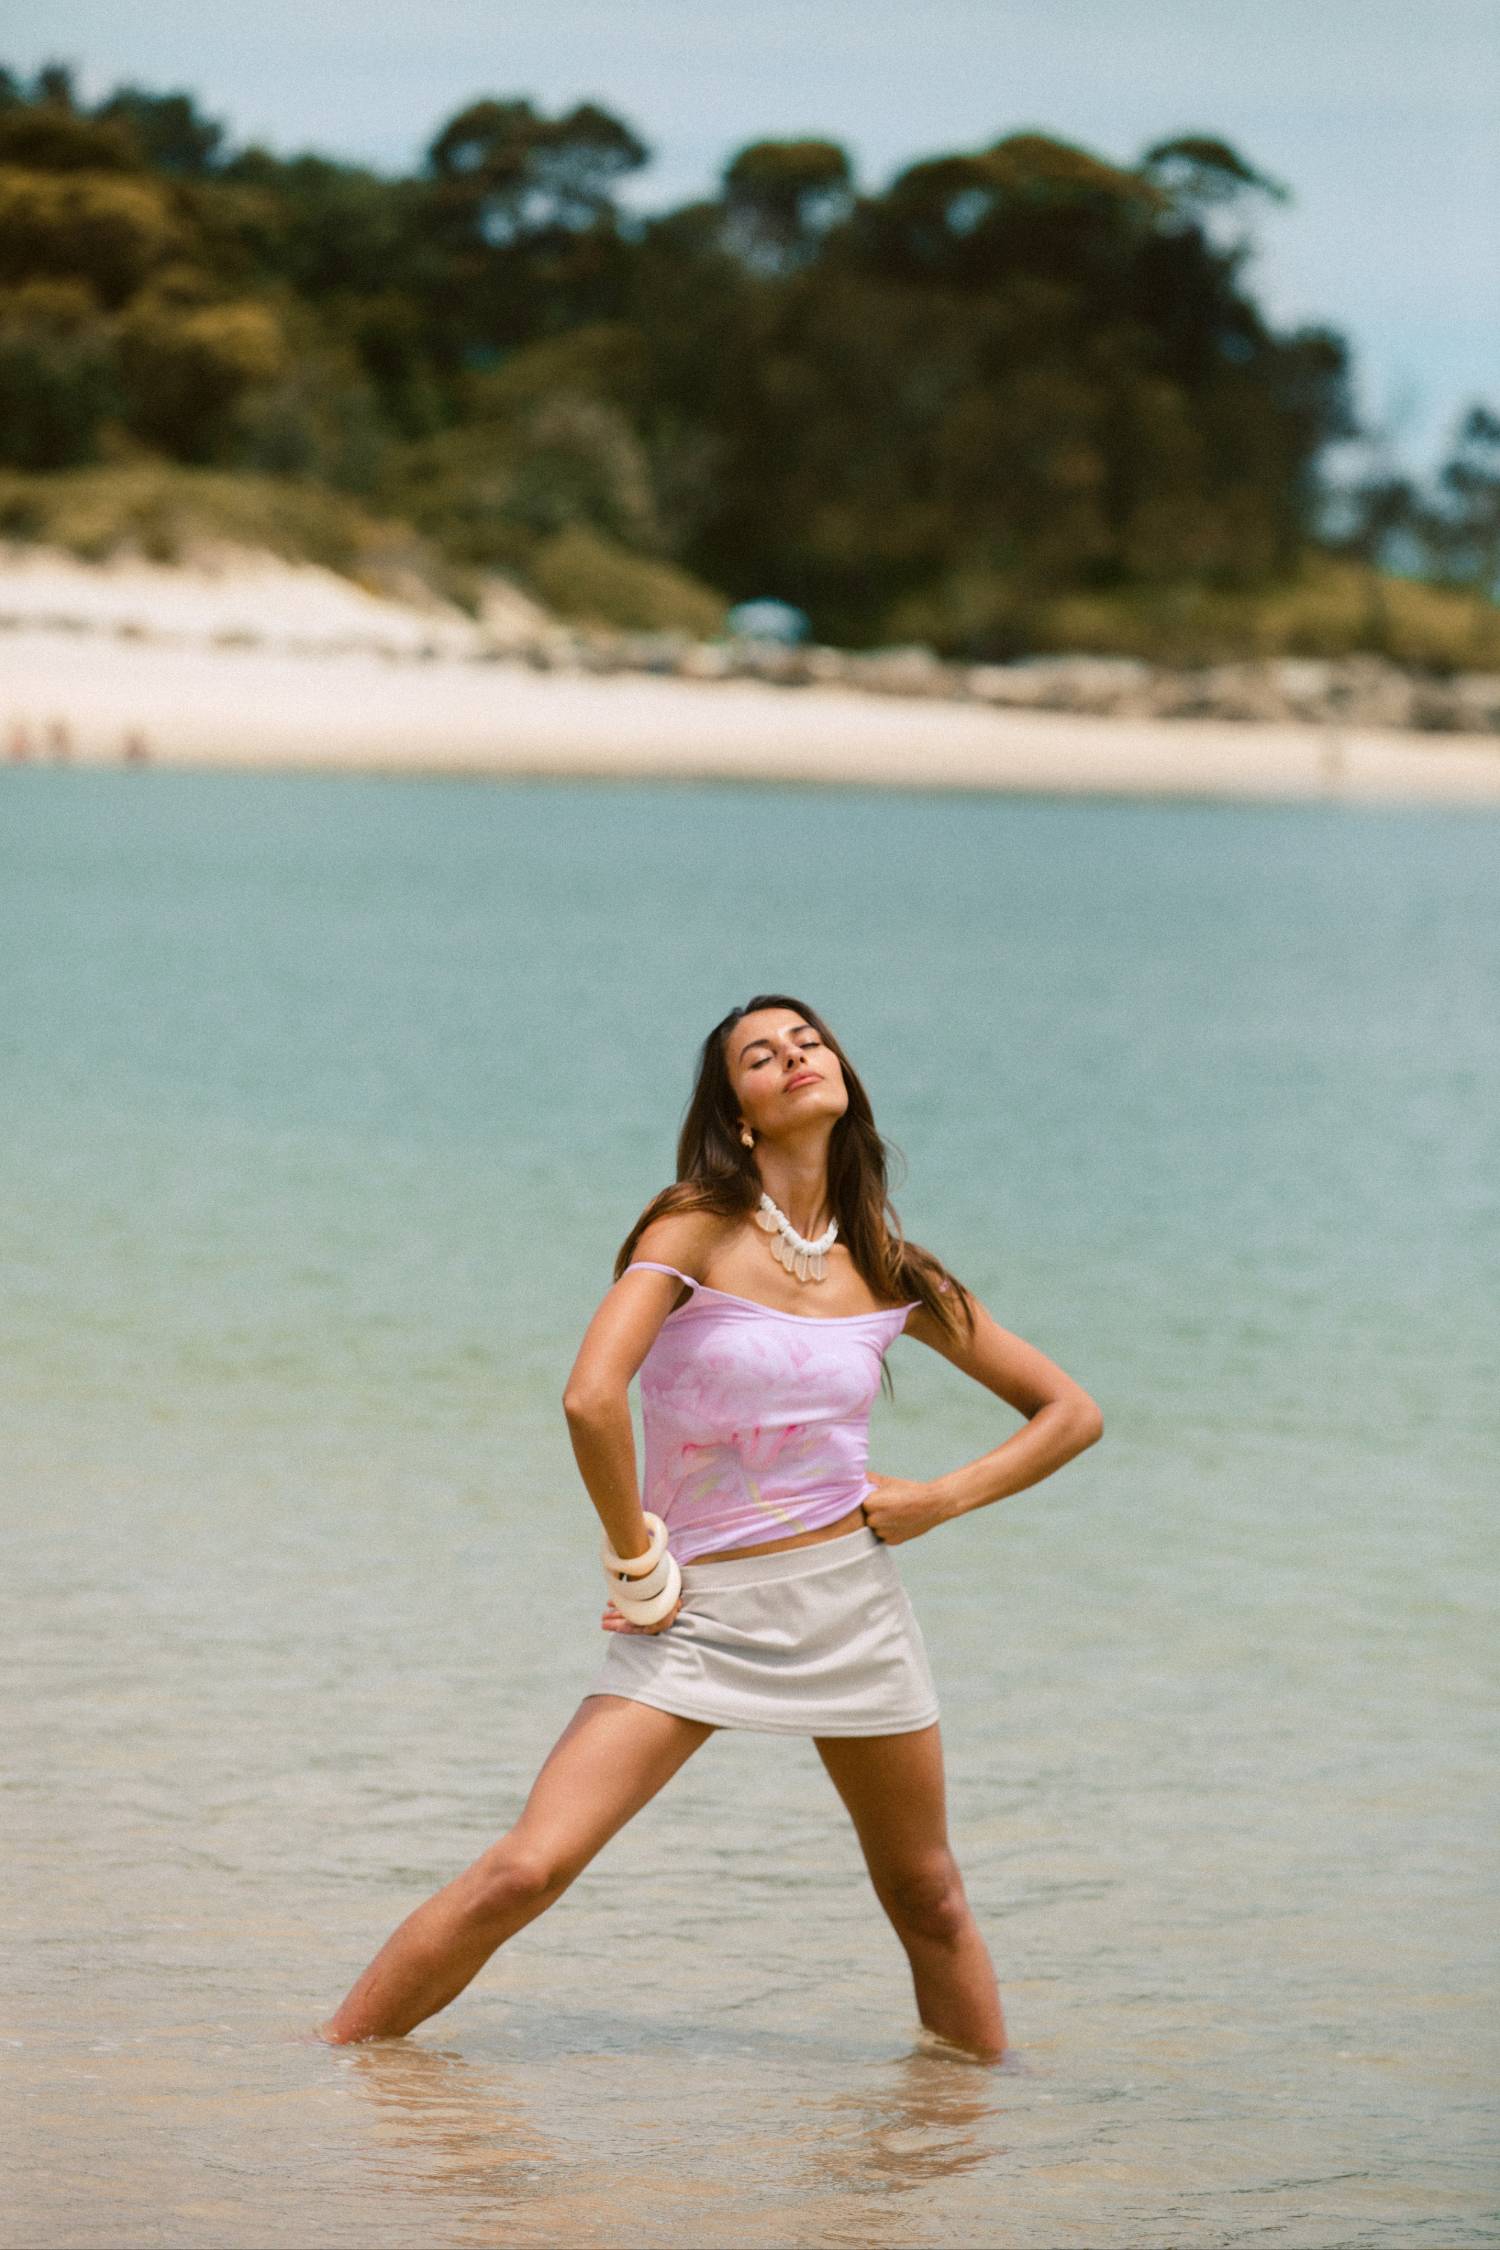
(803,1258)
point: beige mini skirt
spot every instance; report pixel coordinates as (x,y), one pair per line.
(814,1640)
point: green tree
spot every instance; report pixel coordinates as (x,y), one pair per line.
(782,198)
(1462,528)
(58,377)
(171,133)
(520,208)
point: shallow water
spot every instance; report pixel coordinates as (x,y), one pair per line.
(329,1103)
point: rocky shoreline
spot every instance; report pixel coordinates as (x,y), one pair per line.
(1363,691)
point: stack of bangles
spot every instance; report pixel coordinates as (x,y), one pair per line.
(645,1587)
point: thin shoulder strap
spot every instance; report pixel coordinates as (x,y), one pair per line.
(641,1265)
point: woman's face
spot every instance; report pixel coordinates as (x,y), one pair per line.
(782,1073)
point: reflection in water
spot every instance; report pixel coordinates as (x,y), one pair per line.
(460,2130)
(925,2120)
(466,2134)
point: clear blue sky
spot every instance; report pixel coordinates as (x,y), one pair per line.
(1382,116)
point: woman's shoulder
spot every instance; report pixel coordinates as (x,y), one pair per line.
(685,1239)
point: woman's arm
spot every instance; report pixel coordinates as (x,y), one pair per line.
(596,1401)
(1061,1420)
(603,1439)
(596,1398)
(597,1404)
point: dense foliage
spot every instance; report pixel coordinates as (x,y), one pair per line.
(1014,377)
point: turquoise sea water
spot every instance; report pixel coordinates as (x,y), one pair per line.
(328,1103)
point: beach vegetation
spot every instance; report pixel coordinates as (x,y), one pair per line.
(1020,397)
(1332,606)
(584,575)
(169,513)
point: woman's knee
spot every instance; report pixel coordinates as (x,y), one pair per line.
(926,1899)
(515,1878)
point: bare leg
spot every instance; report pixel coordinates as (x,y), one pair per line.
(610,1759)
(894,1789)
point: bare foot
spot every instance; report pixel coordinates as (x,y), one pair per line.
(952,2050)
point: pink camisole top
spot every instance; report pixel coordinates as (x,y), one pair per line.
(757,1422)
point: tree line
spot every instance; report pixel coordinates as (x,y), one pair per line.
(1013,374)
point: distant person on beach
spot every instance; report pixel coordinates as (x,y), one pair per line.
(772,1278)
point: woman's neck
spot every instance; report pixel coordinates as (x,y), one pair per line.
(801,1193)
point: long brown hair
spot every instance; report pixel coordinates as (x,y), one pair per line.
(716,1172)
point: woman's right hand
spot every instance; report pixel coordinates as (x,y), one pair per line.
(615,1622)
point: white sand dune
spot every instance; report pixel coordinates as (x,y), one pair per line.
(225,594)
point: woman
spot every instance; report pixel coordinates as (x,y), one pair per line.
(757,1296)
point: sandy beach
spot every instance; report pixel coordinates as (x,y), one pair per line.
(291,668)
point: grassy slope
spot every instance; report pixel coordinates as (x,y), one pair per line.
(1336,608)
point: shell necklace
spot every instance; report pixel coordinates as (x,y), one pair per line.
(803,1258)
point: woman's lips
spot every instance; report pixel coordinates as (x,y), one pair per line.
(803,1078)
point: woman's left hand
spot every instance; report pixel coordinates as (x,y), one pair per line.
(898,1509)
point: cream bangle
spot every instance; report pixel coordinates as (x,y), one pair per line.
(660,1605)
(636,1566)
(640,1589)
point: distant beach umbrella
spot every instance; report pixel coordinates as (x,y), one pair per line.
(767,621)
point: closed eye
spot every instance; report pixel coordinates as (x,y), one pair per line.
(805,1048)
